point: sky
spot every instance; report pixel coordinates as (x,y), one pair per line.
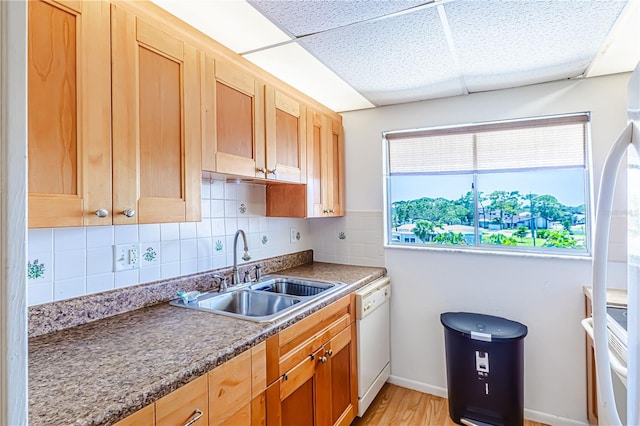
(568,186)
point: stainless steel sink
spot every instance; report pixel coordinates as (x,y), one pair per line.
(293,286)
(266,300)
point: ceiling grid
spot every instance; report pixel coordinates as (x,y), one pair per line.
(353,54)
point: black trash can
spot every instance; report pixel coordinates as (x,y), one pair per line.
(485,368)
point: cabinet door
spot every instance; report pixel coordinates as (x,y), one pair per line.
(230,392)
(298,406)
(233,120)
(156,123)
(188,403)
(316,158)
(69,80)
(338,379)
(285,124)
(334,190)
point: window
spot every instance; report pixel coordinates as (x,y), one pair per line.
(518,185)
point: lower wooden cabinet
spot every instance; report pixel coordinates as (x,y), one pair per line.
(592,393)
(339,378)
(229,395)
(321,387)
(320,390)
(230,392)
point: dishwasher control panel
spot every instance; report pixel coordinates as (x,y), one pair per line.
(369,297)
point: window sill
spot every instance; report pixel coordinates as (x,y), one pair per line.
(483,251)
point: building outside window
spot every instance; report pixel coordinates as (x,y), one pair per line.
(517,185)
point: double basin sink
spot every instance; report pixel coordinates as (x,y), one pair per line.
(266,300)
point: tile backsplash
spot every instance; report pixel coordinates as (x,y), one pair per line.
(355,239)
(70,262)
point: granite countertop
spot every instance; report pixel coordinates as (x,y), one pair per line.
(616,297)
(103,371)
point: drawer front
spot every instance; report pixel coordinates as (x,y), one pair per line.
(184,404)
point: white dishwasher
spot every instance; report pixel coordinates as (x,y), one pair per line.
(374,351)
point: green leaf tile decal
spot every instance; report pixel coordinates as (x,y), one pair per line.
(218,245)
(150,254)
(35,270)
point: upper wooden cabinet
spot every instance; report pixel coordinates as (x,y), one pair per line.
(333,167)
(325,182)
(323,195)
(156,123)
(248,129)
(114,118)
(69,79)
(232,120)
(285,125)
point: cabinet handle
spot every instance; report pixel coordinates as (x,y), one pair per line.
(129,212)
(194,417)
(261,170)
(102,213)
(325,211)
(285,377)
(329,352)
(331,211)
(273,172)
(323,359)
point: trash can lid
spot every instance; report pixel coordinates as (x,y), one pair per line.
(483,327)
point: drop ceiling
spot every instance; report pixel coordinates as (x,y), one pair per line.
(354,54)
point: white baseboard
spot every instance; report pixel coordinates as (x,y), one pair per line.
(534,415)
(550,419)
(417,386)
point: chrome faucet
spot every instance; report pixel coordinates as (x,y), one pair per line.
(235,278)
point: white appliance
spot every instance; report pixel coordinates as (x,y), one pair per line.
(374,350)
(605,336)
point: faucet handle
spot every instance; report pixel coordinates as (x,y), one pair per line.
(222,282)
(258,272)
(247,276)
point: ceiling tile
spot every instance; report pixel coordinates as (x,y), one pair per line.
(510,43)
(296,66)
(401,59)
(311,16)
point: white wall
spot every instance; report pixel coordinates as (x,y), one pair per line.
(543,293)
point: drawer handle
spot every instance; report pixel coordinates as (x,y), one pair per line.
(329,352)
(323,359)
(194,417)
(102,213)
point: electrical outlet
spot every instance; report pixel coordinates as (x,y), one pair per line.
(126,256)
(295,235)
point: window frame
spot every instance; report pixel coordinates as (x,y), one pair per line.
(493,248)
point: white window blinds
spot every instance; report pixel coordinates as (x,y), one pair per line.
(526,144)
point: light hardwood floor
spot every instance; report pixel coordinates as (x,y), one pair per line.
(400,406)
